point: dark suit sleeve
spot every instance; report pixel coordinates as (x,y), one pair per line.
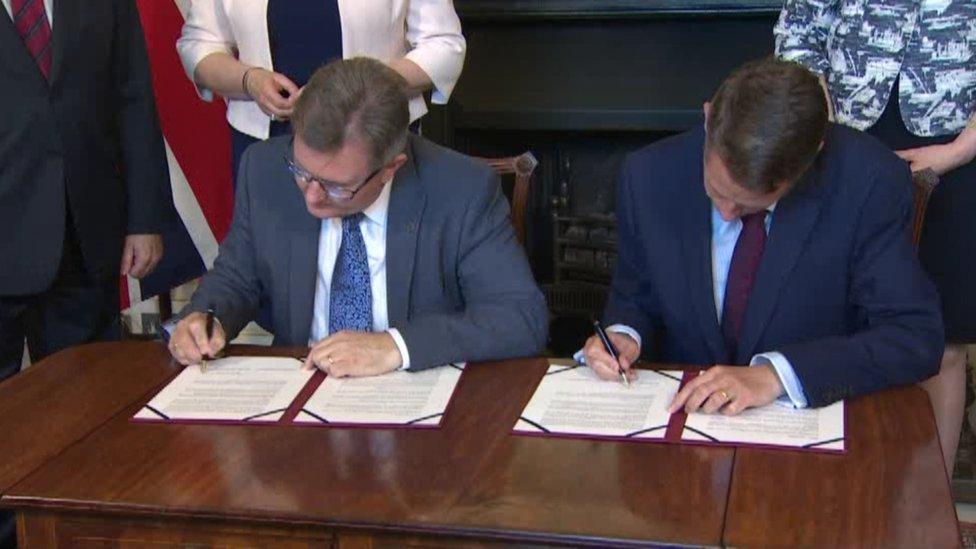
(149,197)
(901,338)
(630,300)
(504,312)
(232,288)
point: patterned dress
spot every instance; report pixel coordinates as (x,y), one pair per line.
(904,71)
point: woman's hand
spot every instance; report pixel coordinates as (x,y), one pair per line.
(274,93)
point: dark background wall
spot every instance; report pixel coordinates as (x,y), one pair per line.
(580,83)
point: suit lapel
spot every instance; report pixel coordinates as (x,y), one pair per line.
(302,269)
(697,250)
(793,220)
(65,18)
(407,201)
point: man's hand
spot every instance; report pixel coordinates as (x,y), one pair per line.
(189,343)
(603,364)
(266,89)
(730,389)
(140,254)
(355,354)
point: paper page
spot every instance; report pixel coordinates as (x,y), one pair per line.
(252,389)
(572,400)
(398,398)
(774,425)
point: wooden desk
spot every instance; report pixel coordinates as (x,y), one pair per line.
(468,482)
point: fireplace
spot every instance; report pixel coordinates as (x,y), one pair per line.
(580,84)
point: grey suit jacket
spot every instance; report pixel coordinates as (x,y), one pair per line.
(459,287)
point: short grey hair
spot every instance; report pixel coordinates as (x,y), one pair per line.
(354,98)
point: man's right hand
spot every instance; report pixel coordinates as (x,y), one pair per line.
(603,364)
(189,343)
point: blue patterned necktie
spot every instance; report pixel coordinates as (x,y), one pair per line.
(351,300)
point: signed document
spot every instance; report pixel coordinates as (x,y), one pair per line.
(233,389)
(395,399)
(572,400)
(772,425)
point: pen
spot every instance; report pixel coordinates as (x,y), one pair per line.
(610,349)
(210,323)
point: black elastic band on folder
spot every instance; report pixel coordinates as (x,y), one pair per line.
(419,419)
(456,366)
(564,369)
(709,437)
(316,416)
(823,442)
(157,412)
(669,376)
(262,414)
(648,430)
(534,424)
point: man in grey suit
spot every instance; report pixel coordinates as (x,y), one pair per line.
(379,249)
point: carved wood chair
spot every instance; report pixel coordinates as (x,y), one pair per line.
(925,182)
(522,166)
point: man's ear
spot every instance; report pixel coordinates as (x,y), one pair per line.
(397,163)
(706,108)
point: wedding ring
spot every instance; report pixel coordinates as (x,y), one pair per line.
(329,358)
(725,396)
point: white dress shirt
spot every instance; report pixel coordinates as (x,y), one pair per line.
(427,32)
(48,7)
(373,227)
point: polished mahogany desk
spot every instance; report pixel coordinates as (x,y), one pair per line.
(80,474)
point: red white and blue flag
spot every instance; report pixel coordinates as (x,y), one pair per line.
(198,150)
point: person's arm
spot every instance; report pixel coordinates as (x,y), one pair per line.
(504,313)
(437,49)
(207,49)
(901,338)
(947,157)
(232,288)
(149,199)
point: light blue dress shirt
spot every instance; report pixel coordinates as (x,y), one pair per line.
(724,236)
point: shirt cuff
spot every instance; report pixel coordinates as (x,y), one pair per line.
(580,358)
(787,376)
(402,346)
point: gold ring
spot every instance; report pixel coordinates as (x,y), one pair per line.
(725,396)
(329,358)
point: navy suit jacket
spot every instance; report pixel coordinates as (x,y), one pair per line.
(839,290)
(459,287)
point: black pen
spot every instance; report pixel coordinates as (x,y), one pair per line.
(210,323)
(610,349)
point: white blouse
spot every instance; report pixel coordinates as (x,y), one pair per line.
(427,32)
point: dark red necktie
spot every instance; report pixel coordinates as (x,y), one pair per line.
(742,275)
(32,24)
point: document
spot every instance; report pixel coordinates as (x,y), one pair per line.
(772,425)
(399,398)
(235,389)
(572,400)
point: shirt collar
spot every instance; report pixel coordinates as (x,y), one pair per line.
(377,211)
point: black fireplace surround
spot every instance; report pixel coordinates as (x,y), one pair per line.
(581,83)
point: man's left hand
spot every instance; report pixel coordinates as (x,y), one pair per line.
(141,254)
(355,354)
(729,389)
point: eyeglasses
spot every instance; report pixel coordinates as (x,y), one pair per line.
(334,190)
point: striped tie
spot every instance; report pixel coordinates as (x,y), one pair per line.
(31,22)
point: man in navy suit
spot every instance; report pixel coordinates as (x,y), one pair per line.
(774,239)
